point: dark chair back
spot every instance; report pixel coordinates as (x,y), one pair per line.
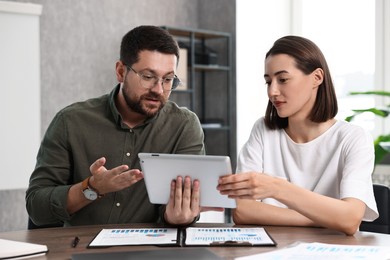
(382,223)
(32,225)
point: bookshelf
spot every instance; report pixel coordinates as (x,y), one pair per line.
(209,90)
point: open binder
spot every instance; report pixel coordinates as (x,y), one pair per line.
(190,236)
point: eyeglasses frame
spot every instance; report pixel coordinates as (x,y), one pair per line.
(175,83)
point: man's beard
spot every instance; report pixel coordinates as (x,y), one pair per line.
(136,105)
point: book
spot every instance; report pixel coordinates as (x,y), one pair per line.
(14,249)
(190,236)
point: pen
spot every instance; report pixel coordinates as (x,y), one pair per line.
(75,241)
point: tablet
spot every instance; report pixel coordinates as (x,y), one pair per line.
(160,169)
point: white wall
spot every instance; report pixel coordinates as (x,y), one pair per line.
(20,88)
(382,67)
(259,25)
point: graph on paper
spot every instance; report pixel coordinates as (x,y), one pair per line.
(207,236)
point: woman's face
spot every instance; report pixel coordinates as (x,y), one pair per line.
(291,92)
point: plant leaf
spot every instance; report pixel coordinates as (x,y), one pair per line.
(372,92)
(375,111)
(380,152)
(349,118)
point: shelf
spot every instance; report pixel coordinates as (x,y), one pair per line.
(210,86)
(197,33)
(212,127)
(183,91)
(211,67)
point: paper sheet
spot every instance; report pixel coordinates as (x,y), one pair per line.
(135,236)
(321,251)
(14,249)
(207,236)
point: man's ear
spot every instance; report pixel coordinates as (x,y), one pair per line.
(120,71)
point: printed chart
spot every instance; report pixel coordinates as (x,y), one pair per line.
(139,236)
(228,236)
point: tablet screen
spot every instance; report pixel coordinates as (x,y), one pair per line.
(160,169)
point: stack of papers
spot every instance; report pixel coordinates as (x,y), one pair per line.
(323,251)
(14,249)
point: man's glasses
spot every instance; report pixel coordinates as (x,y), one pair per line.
(149,81)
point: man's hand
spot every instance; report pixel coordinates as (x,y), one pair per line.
(118,178)
(103,181)
(183,206)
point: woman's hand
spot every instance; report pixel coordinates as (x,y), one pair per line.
(250,185)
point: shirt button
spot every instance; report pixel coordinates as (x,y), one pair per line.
(131,130)
(128,154)
(118,204)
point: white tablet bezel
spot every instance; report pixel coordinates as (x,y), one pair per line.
(160,169)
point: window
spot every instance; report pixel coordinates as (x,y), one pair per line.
(345,32)
(353,34)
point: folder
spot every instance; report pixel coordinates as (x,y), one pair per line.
(190,236)
(15,249)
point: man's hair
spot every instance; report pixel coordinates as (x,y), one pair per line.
(308,57)
(146,37)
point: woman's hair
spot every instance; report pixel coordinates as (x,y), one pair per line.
(146,37)
(308,57)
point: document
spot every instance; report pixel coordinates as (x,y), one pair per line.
(321,251)
(228,236)
(10,249)
(135,236)
(191,236)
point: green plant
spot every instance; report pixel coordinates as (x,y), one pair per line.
(381,143)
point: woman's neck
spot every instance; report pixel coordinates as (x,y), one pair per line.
(306,131)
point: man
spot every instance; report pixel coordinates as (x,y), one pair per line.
(87,169)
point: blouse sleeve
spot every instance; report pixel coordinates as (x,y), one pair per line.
(358,153)
(251,155)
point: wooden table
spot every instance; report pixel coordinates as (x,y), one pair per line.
(59,240)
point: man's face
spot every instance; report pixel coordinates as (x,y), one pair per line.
(147,97)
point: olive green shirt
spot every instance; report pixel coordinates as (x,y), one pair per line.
(83,132)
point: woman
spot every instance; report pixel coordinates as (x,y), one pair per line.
(301,166)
